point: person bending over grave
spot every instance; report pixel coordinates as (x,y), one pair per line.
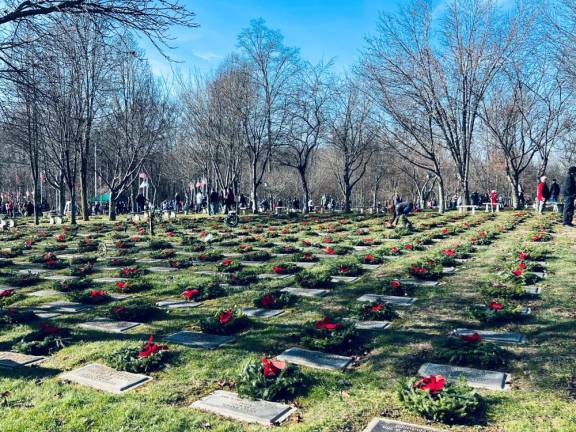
(401,211)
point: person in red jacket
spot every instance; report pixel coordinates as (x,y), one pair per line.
(542,194)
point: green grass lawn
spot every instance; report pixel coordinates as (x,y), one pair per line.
(543,392)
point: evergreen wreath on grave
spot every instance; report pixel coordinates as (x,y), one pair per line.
(133,285)
(93,297)
(87,245)
(435,399)
(430,269)
(305,257)
(9,296)
(243,277)
(16,316)
(314,278)
(131,272)
(159,244)
(447,257)
(83,259)
(285,268)
(54,247)
(121,261)
(389,250)
(46,340)
(22,280)
(275,299)
(347,267)
(375,311)
(72,285)
(82,269)
(540,236)
(225,321)
(209,256)
(497,312)
(256,255)
(143,359)
(519,274)
(371,258)
(228,265)
(469,350)
(285,249)
(396,287)
(201,290)
(269,379)
(498,287)
(181,263)
(337,250)
(163,254)
(331,335)
(135,311)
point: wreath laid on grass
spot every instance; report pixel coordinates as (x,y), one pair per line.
(331,335)
(243,277)
(202,291)
(163,254)
(159,244)
(314,278)
(87,245)
(395,287)
(371,258)
(131,272)
(435,399)
(135,311)
(305,257)
(428,270)
(93,297)
(275,300)
(224,322)
(499,288)
(497,312)
(209,256)
(121,261)
(469,350)
(269,379)
(228,265)
(133,286)
(257,255)
(285,268)
(45,341)
(375,311)
(345,268)
(72,285)
(22,280)
(9,296)
(144,359)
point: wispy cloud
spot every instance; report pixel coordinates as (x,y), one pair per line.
(207,56)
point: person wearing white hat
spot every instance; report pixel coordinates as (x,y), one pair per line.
(542,194)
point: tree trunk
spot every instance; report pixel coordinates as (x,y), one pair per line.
(305,189)
(514,180)
(72,191)
(111,207)
(62,195)
(84,188)
(254,189)
(441,195)
(35,202)
(347,199)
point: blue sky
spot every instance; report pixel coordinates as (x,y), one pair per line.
(322,29)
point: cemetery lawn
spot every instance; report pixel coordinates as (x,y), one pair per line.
(543,392)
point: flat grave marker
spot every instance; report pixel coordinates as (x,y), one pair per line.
(34,271)
(344,279)
(59,277)
(273,276)
(110,280)
(108,326)
(12,360)
(477,378)
(44,293)
(64,307)
(387,425)
(493,336)
(229,404)
(200,340)
(371,325)
(315,359)
(261,313)
(419,282)
(394,300)
(105,378)
(177,304)
(533,290)
(305,292)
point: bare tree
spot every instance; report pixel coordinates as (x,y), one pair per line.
(308,122)
(271,66)
(140,119)
(353,138)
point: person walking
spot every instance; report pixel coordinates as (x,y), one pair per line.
(199,199)
(230,201)
(542,194)
(213,202)
(554,194)
(569,195)
(493,200)
(140,203)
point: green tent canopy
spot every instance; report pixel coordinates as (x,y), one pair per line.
(102,198)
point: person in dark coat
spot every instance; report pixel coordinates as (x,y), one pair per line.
(569,195)
(140,203)
(554,191)
(229,201)
(401,211)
